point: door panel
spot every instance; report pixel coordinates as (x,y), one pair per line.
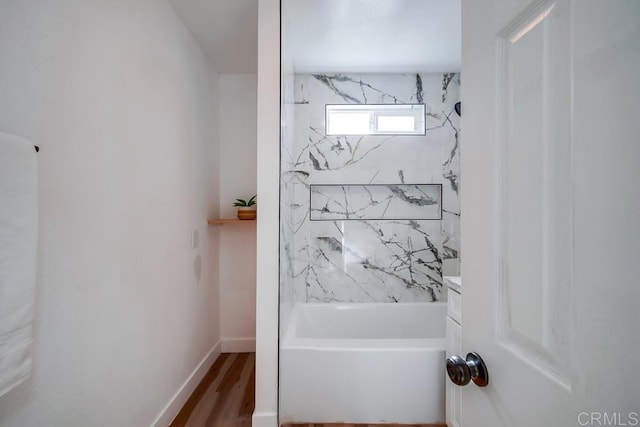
(549,191)
(533,186)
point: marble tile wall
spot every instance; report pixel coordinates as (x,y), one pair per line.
(379,201)
(352,249)
(287,297)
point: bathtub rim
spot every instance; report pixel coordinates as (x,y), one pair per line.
(292,342)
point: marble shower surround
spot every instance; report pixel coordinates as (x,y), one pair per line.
(376,201)
(374,259)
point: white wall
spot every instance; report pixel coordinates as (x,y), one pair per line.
(238,98)
(123,104)
(265,414)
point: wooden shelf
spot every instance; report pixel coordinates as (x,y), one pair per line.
(221,221)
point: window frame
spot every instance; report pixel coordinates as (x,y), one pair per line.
(418,111)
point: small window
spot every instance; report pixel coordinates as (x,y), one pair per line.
(391,119)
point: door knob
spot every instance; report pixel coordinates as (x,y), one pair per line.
(462,371)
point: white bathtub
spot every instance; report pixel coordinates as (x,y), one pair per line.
(364,363)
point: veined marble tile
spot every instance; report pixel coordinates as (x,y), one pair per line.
(451,176)
(375,261)
(397,201)
(367,260)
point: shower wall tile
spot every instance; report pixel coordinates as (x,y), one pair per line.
(374,261)
(451,176)
(397,201)
(287,296)
(382,260)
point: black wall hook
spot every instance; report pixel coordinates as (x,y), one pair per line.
(37,148)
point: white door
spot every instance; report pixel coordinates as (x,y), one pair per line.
(550,200)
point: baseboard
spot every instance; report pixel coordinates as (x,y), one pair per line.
(238,345)
(264,419)
(178,400)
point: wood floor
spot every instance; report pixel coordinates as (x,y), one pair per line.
(224,397)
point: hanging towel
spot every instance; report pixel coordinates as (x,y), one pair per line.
(18,250)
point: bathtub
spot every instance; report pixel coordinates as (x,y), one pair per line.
(364,363)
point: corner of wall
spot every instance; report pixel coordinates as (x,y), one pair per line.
(268,132)
(127,123)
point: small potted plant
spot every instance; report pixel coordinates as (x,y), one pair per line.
(246,208)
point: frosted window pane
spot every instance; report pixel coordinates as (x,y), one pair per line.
(381,119)
(396,124)
(350,123)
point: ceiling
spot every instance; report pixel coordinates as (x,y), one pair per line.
(373,35)
(333,35)
(227,30)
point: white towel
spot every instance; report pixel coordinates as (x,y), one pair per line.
(18,251)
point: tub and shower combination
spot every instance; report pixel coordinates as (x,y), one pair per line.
(365,363)
(369,217)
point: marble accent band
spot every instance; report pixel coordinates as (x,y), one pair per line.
(376,202)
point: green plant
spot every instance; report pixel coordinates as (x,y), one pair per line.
(245,203)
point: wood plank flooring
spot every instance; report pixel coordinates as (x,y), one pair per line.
(224,397)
